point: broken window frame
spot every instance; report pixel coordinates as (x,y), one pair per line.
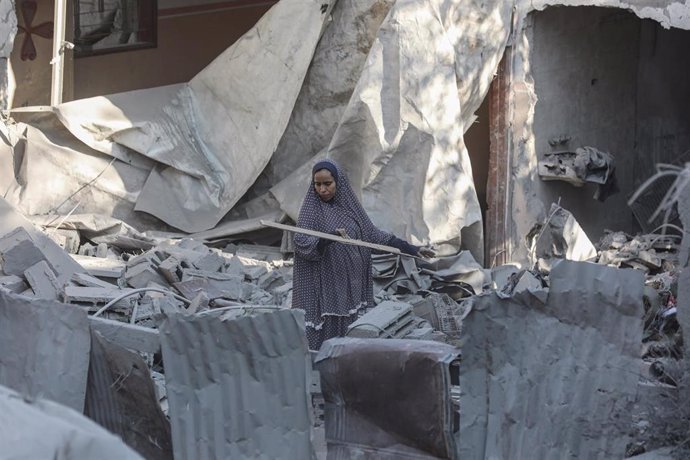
(146,28)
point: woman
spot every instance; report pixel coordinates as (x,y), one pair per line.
(332,281)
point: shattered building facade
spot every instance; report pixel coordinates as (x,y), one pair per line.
(178,125)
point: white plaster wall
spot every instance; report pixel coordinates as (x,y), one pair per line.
(8,30)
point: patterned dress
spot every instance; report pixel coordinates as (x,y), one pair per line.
(333,283)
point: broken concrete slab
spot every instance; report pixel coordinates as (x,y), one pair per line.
(30,362)
(13,283)
(140,275)
(83,279)
(18,252)
(121,397)
(171,270)
(67,239)
(555,366)
(99,229)
(211,262)
(101,268)
(40,428)
(59,261)
(42,281)
(264,358)
(93,295)
(217,284)
(131,336)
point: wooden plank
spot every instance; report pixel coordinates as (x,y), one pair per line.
(130,336)
(339,239)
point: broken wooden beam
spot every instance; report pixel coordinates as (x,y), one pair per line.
(339,239)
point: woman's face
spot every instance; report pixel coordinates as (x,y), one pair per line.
(324,184)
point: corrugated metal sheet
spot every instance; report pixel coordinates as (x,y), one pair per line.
(389,399)
(237,387)
(44,349)
(41,429)
(121,397)
(555,379)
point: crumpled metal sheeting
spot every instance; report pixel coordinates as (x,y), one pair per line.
(55,175)
(45,349)
(359,380)
(400,138)
(458,275)
(328,85)
(212,136)
(238,388)
(45,429)
(555,379)
(255,105)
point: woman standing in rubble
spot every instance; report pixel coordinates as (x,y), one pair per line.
(332,281)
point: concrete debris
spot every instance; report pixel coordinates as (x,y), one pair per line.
(186,350)
(584,165)
(40,428)
(13,283)
(17,231)
(42,280)
(100,267)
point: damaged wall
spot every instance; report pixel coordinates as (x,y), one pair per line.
(584,63)
(32,53)
(8,31)
(604,87)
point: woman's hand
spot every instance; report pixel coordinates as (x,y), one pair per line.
(343,233)
(426,252)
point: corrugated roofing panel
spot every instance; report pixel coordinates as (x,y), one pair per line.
(237,387)
(555,379)
(44,349)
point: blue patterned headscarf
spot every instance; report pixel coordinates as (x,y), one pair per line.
(328,165)
(336,281)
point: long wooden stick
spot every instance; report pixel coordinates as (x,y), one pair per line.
(339,239)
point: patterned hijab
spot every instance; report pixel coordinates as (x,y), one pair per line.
(319,215)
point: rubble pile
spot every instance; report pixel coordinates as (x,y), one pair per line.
(184,274)
(657,257)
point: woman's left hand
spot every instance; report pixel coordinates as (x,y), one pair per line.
(426,252)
